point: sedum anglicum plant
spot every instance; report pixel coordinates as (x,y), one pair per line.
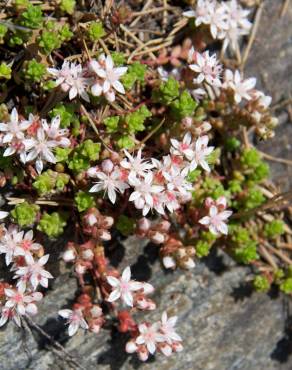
(113,142)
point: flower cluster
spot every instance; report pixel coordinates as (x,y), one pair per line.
(100,77)
(159,336)
(32,139)
(157,185)
(228,21)
(23,252)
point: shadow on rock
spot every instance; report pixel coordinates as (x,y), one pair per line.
(215,262)
(283,349)
(115,356)
(243,291)
(56,329)
(142,268)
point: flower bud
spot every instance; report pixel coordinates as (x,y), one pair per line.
(105,235)
(80,269)
(131,347)
(96,311)
(107,166)
(164,226)
(168,262)
(87,254)
(109,221)
(69,255)
(157,238)
(189,264)
(144,224)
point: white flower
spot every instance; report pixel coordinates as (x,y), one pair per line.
(21,302)
(33,272)
(26,244)
(111,183)
(54,132)
(75,320)
(216,221)
(107,77)
(40,147)
(143,194)
(149,336)
(242,88)
(202,12)
(208,69)
(9,313)
(123,287)
(202,151)
(71,78)
(136,166)
(13,133)
(184,148)
(177,181)
(218,22)
(167,328)
(9,243)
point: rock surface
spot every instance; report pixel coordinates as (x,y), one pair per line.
(224,325)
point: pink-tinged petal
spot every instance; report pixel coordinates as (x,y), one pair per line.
(14,115)
(110,95)
(222,227)
(9,292)
(65,313)
(205,165)
(73,93)
(126,275)
(128,299)
(39,166)
(44,259)
(21,309)
(213,229)
(205,220)
(83,324)
(115,294)
(140,339)
(189,14)
(112,195)
(225,214)
(72,329)
(109,64)
(96,188)
(3,214)
(31,309)
(96,90)
(7,138)
(135,195)
(213,211)
(151,346)
(120,71)
(106,86)
(8,151)
(114,282)
(119,87)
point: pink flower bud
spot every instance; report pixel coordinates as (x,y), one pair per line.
(148,288)
(209,202)
(157,238)
(144,224)
(87,254)
(96,311)
(164,225)
(187,122)
(105,236)
(107,166)
(92,171)
(189,264)
(165,349)
(69,255)
(91,219)
(131,347)
(177,347)
(109,221)
(168,262)
(143,354)
(80,269)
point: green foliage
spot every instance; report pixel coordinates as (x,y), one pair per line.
(126,142)
(52,224)
(286,286)
(5,71)
(34,71)
(136,73)
(112,124)
(49,180)
(193,175)
(66,113)
(118,58)
(24,214)
(49,41)
(214,156)
(244,248)
(5,162)
(3,31)
(255,169)
(125,225)
(252,199)
(274,228)
(62,154)
(68,6)
(21,4)
(65,34)
(32,17)
(184,106)
(234,186)
(261,284)
(135,121)
(202,248)
(83,154)
(231,144)
(167,92)
(95,31)
(213,188)
(84,201)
